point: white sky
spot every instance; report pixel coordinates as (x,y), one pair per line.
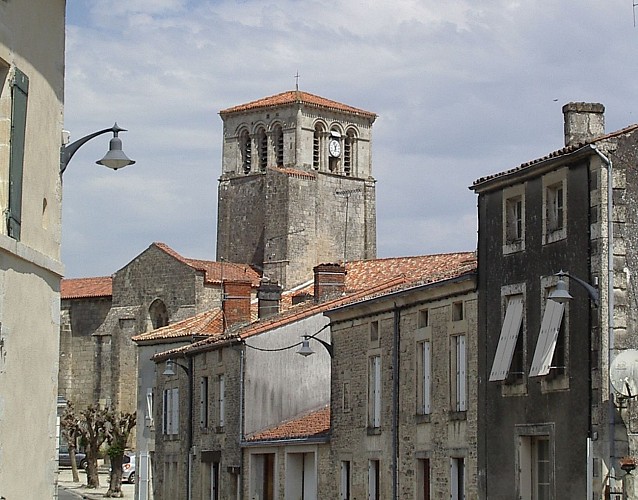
(462,88)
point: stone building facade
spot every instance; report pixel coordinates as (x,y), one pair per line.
(544,365)
(404,401)
(98,359)
(296,187)
(31,118)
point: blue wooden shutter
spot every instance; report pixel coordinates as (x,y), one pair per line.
(20,90)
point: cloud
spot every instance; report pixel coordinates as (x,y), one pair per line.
(462,89)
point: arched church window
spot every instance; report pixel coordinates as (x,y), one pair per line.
(158,314)
(245,146)
(316,147)
(348,153)
(279,145)
(262,144)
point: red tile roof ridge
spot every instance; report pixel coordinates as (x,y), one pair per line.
(296,96)
(213,269)
(555,154)
(469,253)
(80,288)
(313,423)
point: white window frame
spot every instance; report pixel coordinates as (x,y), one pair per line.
(374,392)
(457,478)
(425,377)
(374,479)
(458,372)
(554,207)
(513,219)
(527,461)
(345,487)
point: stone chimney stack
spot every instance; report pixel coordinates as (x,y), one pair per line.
(236,303)
(269,297)
(584,121)
(330,281)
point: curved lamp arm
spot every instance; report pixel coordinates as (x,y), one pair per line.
(67,152)
(564,294)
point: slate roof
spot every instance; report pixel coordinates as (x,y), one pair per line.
(559,153)
(293,97)
(310,425)
(81,288)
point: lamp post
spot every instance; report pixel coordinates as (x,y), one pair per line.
(114,158)
(169,370)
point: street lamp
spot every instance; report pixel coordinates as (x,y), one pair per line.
(114,158)
(561,295)
(305,349)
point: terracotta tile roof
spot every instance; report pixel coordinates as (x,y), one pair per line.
(293,97)
(215,270)
(553,155)
(365,279)
(209,323)
(313,424)
(81,288)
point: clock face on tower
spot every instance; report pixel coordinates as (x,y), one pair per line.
(334,148)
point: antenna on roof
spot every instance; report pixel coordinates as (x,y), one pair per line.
(297,75)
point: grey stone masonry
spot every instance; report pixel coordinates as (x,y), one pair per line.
(289,202)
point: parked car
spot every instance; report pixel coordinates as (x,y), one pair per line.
(64,459)
(128,469)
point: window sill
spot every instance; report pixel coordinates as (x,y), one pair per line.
(374,431)
(513,247)
(220,430)
(423,418)
(458,415)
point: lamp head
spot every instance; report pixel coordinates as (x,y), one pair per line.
(305,349)
(115,157)
(560,293)
(169,370)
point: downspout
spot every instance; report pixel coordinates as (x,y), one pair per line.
(189,482)
(242,352)
(395,401)
(610,302)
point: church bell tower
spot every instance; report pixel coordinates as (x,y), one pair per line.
(296,187)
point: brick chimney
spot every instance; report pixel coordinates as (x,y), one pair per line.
(269,297)
(236,303)
(330,281)
(584,121)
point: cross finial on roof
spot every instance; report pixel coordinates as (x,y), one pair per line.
(297,81)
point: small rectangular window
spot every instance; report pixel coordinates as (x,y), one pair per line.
(374,331)
(221,387)
(425,378)
(457,479)
(374,480)
(547,338)
(457,311)
(458,373)
(424,318)
(346,397)
(514,219)
(555,207)
(508,339)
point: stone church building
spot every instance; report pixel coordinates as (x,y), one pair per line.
(296,190)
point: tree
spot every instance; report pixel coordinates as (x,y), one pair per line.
(92,431)
(118,430)
(69,429)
